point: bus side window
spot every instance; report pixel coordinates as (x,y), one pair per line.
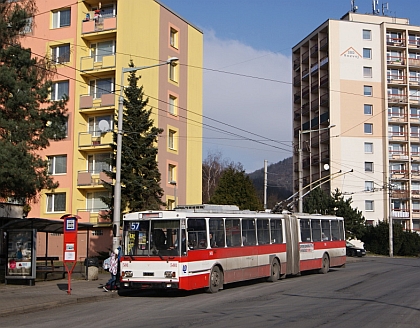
(305,230)
(263,231)
(316,230)
(217,227)
(325,226)
(276,231)
(335,231)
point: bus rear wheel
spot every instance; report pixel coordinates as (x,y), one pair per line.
(275,271)
(325,264)
(216,280)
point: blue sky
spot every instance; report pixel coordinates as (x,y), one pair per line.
(247,68)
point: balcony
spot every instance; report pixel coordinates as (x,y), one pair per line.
(305,74)
(324,80)
(415,194)
(102,24)
(305,109)
(89,64)
(96,140)
(314,50)
(396,79)
(305,92)
(324,100)
(397,98)
(88,104)
(297,97)
(395,60)
(400,194)
(323,43)
(296,64)
(400,174)
(414,99)
(396,42)
(92,179)
(414,43)
(414,62)
(323,61)
(95,216)
(305,56)
(397,117)
(400,213)
(297,81)
(397,136)
(314,86)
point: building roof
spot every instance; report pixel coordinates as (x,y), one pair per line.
(42,225)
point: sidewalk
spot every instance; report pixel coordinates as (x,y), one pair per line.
(51,293)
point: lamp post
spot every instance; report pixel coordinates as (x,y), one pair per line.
(174,184)
(117,188)
(300,200)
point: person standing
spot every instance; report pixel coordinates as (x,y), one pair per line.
(113,270)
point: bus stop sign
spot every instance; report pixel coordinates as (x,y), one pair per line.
(70,245)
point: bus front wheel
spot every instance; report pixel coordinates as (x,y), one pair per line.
(216,280)
(325,264)
(275,271)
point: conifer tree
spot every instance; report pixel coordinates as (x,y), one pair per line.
(318,201)
(236,188)
(28,119)
(140,176)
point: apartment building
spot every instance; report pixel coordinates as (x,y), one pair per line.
(91,42)
(356,106)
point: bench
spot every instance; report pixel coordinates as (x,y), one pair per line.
(50,267)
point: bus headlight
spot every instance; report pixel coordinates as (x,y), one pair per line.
(127,274)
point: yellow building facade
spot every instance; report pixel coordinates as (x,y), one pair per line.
(90,43)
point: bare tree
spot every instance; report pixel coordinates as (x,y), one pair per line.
(213,167)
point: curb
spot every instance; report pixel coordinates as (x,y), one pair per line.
(58,303)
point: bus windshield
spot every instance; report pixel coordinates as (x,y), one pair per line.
(154,238)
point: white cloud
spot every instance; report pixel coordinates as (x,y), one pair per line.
(251,104)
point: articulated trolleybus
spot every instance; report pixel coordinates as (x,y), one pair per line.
(206,246)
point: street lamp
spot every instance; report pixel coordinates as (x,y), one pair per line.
(300,200)
(117,188)
(174,184)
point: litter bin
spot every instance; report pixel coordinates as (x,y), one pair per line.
(91,265)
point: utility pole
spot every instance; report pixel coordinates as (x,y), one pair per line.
(265,184)
(391,241)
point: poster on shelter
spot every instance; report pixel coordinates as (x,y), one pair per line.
(19,253)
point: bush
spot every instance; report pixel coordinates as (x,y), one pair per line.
(405,243)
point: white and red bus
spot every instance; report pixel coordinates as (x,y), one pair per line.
(221,244)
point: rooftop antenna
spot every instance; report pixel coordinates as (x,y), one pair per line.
(384,8)
(353,6)
(375,3)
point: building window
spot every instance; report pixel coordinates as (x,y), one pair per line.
(171,139)
(367,90)
(368,148)
(367,35)
(100,87)
(98,163)
(172,105)
(173,71)
(171,173)
(173,38)
(57,164)
(369,186)
(28,26)
(60,54)
(367,71)
(101,49)
(171,204)
(100,124)
(368,109)
(98,232)
(56,202)
(368,166)
(367,53)
(61,18)
(94,202)
(368,128)
(59,89)
(369,205)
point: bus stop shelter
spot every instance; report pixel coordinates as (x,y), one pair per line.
(21,247)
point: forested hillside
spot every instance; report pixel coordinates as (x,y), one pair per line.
(279,181)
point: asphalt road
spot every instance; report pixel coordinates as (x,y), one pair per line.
(368,292)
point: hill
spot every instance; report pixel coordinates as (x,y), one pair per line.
(279,181)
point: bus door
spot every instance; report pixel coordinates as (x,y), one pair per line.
(292,244)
